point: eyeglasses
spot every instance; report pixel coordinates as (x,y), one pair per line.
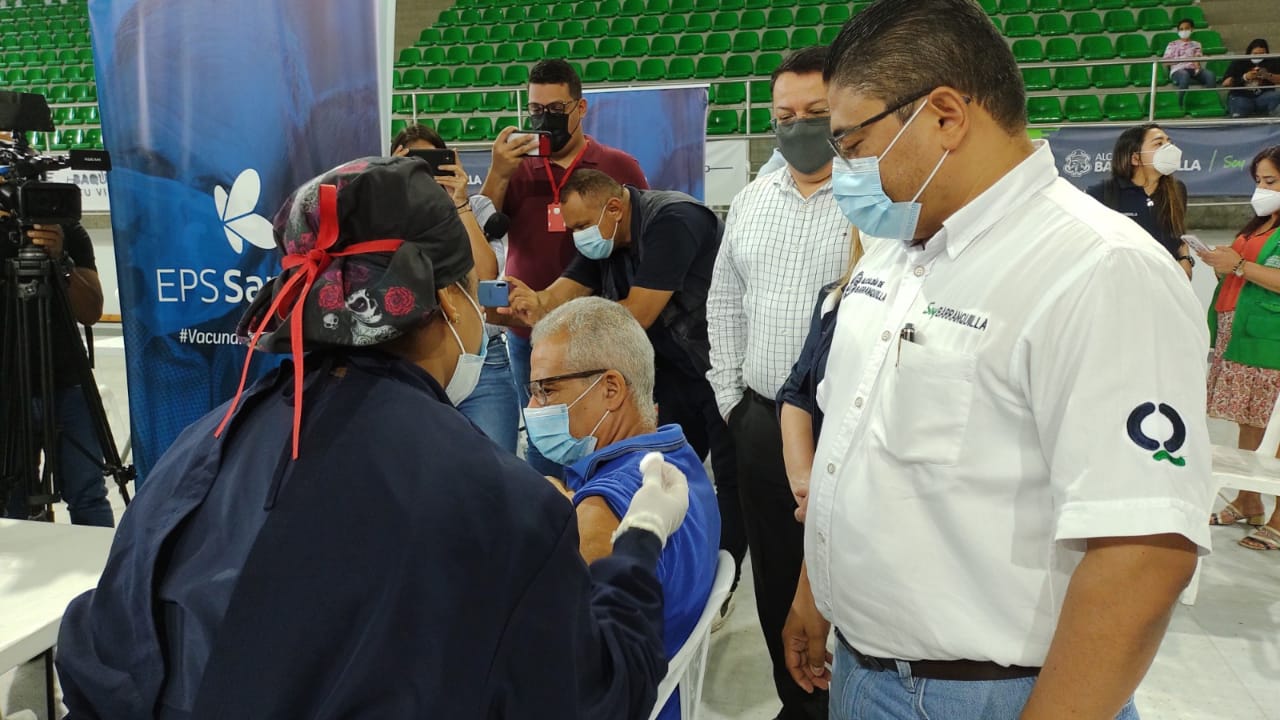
(555,108)
(538,390)
(789,121)
(837,141)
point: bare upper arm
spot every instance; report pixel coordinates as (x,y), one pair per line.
(596,525)
(646,305)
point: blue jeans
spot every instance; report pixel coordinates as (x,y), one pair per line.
(1184,78)
(1264,103)
(519,349)
(861,694)
(492,405)
(80,479)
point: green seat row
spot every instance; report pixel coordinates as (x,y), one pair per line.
(1102,47)
(71,139)
(1102,76)
(1092,23)
(729,122)
(1125,107)
(45,58)
(522,12)
(36,12)
(675,6)
(474,129)
(1016,7)
(16,77)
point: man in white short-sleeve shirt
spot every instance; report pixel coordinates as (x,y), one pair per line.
(1010,488)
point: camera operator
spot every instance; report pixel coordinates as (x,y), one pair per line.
(80,478)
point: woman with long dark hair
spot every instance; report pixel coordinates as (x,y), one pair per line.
(1143,188)
(1244,377)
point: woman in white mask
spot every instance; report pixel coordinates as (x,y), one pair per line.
(1142,187)
(1244,378)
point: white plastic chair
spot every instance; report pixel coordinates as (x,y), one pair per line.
(686,669)
(1256,471)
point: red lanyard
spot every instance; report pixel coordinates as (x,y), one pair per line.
(555,188)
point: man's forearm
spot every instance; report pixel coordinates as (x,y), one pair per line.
(1115,614)
(84,294)
(495,188)
(485,259)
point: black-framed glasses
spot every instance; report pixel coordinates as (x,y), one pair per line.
(837,140)
(538,391)
(555,108)
(789,121)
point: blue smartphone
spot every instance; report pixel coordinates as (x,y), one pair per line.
(494,293)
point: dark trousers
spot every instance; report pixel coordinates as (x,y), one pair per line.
(775,538)
(690,403)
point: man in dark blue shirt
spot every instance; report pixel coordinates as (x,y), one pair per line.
(367,553)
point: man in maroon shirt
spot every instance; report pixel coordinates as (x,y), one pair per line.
(527,189)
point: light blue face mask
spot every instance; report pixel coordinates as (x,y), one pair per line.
(548,429)
(859,194)
(591,243)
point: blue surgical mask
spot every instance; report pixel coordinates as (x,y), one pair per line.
(548,429)
(467,373)
(591,243)
(858,192)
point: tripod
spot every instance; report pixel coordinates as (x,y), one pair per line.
(35,312)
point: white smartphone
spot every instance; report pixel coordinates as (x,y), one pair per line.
(544,142)
(1195,243)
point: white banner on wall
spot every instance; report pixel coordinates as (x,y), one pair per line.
(93,188)
(728,169)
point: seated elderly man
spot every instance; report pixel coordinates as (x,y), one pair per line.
(591,409)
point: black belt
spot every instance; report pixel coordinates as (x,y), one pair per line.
(759,399)
(962,670)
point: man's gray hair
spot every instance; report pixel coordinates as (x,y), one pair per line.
(600,333)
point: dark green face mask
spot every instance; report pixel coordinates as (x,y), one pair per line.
(804,143)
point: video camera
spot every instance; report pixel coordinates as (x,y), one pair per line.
(24,195)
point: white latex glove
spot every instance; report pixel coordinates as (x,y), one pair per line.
(660,504)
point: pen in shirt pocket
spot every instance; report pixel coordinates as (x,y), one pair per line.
(908,333)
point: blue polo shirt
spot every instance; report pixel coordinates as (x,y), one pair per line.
(688,563)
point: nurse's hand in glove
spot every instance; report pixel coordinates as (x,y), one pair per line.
(660,504)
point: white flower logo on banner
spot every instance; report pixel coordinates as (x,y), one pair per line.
(235,209)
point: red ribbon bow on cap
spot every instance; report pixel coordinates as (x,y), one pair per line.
(293,296)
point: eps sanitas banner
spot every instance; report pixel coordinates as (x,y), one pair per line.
(213,112)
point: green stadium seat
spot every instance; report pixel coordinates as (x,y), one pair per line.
(1072,78)
(635,47)
(1140,74)
(1154,19)
(457,55)
(561,11)
(452,36)
(780,18)
(1211,42)
(1097,47)
(746,42)
(773,40)
(1020,26)
(1087,23)
(722,122)
(397,127)
(440,102)
(1161,40)
(1168,107)
(422,104)
(1109,76)
(1043,110)
(760,92)
(477,129)
(535,14)
(463,77)
(53,75)
(1077,5)
(481,54)
(1204,104)
(1045,6)
(608,9)
(595,28)
(436,78)
(1083,108)
(67,139)
(732,5)
(546,31)
(689,45)
(1175,3)
(504,122)
(1143,3)
(652,69)
(63,116)
(1037,79)
(750,20)
(1014,7)
(992,7)
(663,46)
(705,6)
(718,44)
(760,121)
(674,24)
(632,8)
(739,66)
(68,57)
(570,30)
(583,49)
(699,22)
(608,48)
(88,115)
(1123,108)
(524,32)
(1028,51)
(836,15)
(400,105)
(1120,21)
(709,67)
(829,34)
(1061,50)
(803,38)
(1194,14)
(409,57)
(1052,24)
(447,18)
(585,10)
(468,17)
(680,68)
(558,49)
(411,79)
(682,7)
(60,93)
(596,71)
(450,129)
(1133,46)
(489,76)
(731,93)
(499,34)
(497,101)
(766,63)
(623,71)
(622,27)
(492,15)
(468,102)
(506,53)
(808,17)
(657,7)
(532,52)
(648,25)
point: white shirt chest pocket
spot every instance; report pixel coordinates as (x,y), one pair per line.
(927,411)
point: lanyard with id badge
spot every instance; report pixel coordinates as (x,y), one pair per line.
(555,220)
